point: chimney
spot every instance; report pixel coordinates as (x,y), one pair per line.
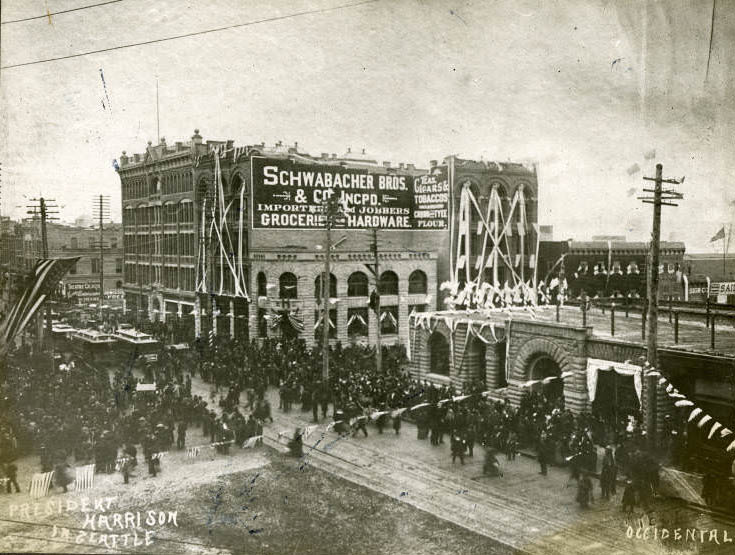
(433,163)
(123,158)
(136,157)
(334,155)
(386,164)
(400,166)
(196,138)
(324,155)
(179,146)
(410,167)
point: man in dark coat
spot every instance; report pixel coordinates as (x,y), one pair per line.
(458,447)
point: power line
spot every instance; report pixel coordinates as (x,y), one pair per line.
(49,14)
(711,35)
(196,33)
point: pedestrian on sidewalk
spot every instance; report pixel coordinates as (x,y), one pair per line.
(629,498)
(457,446)
(11,473)
(542,453)
(584,490)
(397,423)
(511,446)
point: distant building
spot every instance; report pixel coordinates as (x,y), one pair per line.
(21,247)
(613,268)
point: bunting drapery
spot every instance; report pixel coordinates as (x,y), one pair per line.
(594,365)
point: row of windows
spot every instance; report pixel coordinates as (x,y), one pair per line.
(180,182)
(93,242)
(357,285)
(631,268)
(95,266)
(357,321)
(169,183)
(172,212)
(169,244)
(169,276)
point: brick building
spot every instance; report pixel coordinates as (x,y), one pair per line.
(168,194)
(612,267)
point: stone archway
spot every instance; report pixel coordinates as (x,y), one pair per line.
(539,358)
(543,366)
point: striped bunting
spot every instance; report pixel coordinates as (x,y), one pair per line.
(46,275)
(85,477)
(160,455)
(192,452)
(40,484)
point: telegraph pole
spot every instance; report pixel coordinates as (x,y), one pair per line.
(47,211)
(661,197)
(101,210)
(333,212)
(378,341)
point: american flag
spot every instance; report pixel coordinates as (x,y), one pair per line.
(45,277)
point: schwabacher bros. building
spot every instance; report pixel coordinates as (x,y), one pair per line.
(230,239)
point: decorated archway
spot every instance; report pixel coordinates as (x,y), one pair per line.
(540,359)
(541,367)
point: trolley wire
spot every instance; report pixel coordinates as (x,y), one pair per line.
(49,14)
(194,34)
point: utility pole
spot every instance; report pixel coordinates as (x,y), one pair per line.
(47,211)
(333,212)
(661,197)
(101,211)
(378,340)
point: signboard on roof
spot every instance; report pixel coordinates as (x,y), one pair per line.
(289,195)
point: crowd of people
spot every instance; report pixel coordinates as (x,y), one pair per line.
(76,411)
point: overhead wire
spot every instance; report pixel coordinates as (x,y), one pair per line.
(194,34)
(49,14)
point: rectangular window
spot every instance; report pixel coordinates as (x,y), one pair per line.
(95,265)
(357,321)
(73,269)
(118,265)
(389,320)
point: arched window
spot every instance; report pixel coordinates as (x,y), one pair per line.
(389,283)
(332,286)
(262,285)
(288,286)
(439,352)
(417,282)
(357,285)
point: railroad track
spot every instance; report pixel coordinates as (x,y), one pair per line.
(522,524)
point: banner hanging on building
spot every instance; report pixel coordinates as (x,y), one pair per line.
(288,195)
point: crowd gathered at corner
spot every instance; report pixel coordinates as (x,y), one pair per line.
(88,413)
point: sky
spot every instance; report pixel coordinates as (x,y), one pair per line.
(583,87)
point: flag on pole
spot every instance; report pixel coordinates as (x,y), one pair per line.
(719,235)
(45,277)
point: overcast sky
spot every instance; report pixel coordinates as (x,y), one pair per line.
(584,87)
